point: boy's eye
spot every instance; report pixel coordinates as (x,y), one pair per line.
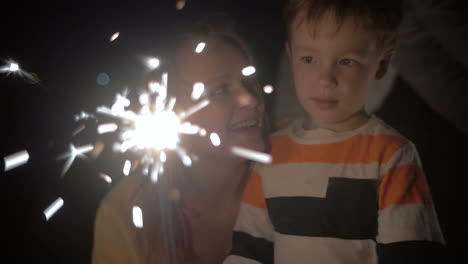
(348,62)
(307,59)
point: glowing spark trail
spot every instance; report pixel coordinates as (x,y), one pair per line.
(107,128)
(53,208)
(215,140)
(16,160)
(200,47)
(127,167)
(195,108)
(114,36)
(251,155)
(74,152)
(247,71)
(137,217)
(197,91)
(105,177)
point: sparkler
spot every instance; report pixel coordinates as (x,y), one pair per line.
(12,67)
(150,133)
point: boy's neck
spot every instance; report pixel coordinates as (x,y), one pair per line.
(354,121)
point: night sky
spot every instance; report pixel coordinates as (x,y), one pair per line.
(67,45)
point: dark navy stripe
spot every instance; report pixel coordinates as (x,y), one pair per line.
(250,247)
(349,211)
(411,252)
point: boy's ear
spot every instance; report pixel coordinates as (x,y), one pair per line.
(384,64)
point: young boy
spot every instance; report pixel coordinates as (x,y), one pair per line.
(343,186)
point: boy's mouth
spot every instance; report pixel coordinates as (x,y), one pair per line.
(324,103)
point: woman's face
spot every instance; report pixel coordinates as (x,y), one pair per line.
(235,109)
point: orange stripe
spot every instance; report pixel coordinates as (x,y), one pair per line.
(404,185)
(355,150)
(253,193)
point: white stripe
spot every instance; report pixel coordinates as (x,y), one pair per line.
(234,259)
(301,249)
(296,133)
(406,155)
(409,222)
(254,221)
(310,179)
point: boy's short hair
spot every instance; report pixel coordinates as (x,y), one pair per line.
(381,16)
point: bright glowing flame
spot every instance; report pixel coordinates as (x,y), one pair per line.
(114,36)
(200,47)
(127,167)
(197,91)
(251,155)
(137,217)
(16,160)
(268,89)
(157,131)
(13,67)
(249,70)
(215,140)
(53,208)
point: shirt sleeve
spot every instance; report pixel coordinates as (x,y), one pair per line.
(113,241)
(408,228)
(252,240)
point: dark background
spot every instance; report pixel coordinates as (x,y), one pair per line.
(67,45)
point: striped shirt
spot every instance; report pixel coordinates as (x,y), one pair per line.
(337,197)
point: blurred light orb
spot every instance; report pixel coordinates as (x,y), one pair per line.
(103,79)
(268,89)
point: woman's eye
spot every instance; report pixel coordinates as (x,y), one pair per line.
(307,59)
(220,90)
(348,62)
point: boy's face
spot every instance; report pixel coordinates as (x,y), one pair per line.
(333,69)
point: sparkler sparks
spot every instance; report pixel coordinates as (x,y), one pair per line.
(152,63)
(72,154)
(215,140)
(252,155)
(16,160)
(249,70)
(268,89)
(114,36)
(200,47)
(53,208)
(12,67)
(197,91)
(127,167)
(107,128)
(106,177)
(137,217)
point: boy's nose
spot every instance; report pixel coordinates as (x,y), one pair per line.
(327,77)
